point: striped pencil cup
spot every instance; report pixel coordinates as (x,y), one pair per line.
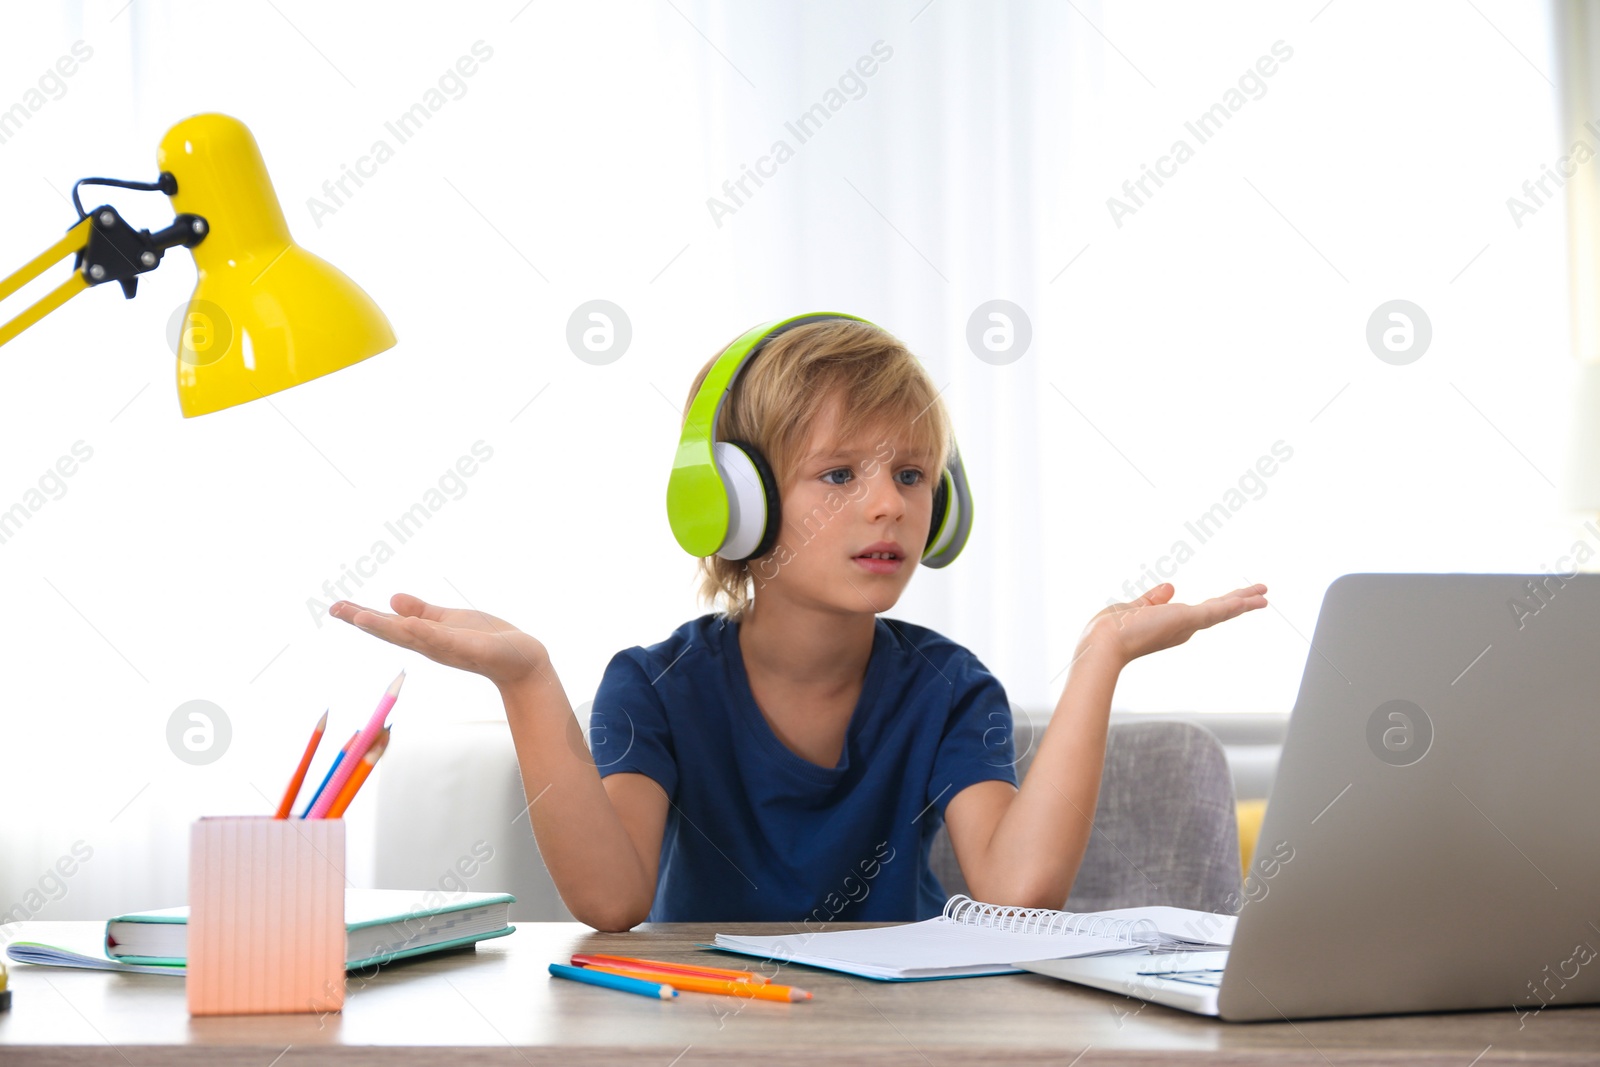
(266,929)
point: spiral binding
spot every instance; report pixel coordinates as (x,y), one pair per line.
(963,909)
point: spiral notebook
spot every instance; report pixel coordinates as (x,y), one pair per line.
(971,939)
(381,925)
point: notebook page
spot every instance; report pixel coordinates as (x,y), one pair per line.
(933,944)
(71,943)
(1183,925)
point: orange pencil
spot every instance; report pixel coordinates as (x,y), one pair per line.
(580,959)
(748,990)
(299,778)
(364,768)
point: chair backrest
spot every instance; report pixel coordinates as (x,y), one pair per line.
(1165,827)
(452,817)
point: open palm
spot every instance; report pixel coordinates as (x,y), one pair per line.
(1150,622)
(468,639)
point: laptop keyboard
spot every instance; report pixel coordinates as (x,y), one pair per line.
(1210,976)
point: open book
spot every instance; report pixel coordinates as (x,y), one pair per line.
(971,938)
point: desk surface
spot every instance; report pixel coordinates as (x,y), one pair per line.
(497,1004)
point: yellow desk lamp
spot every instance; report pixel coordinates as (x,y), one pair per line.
(265,314)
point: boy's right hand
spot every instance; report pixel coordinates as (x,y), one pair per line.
(457,637)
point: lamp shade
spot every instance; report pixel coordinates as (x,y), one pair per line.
(265,314)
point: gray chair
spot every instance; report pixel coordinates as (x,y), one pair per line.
(1165,829)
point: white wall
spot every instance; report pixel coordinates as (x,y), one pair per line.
(1168,353)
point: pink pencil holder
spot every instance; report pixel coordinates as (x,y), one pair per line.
(266,916)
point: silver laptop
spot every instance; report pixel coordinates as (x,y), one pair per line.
(1432,842)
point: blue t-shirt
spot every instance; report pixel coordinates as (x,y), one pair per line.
(755,832)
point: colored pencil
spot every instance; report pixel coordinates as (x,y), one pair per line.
(748,990)
(643,987)
(364,768)
(329,776)
(581,959)
(299,778)
(369,734)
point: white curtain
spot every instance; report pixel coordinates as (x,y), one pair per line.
(1172,346)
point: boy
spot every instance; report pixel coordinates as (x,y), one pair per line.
(792,755)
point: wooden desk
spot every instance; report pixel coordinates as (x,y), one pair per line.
(498,1005)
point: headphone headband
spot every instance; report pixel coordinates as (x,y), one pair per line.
(721,496)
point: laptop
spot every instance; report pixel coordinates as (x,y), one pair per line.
(1432,840)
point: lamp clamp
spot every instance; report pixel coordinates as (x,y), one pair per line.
(117,252)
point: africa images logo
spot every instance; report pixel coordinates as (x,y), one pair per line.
(1399,733)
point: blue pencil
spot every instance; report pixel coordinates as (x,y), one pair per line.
(329,776)
(613,981)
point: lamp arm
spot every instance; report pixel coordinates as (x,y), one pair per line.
(106,248)
(74,241)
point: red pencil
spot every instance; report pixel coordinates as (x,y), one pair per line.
(584,959)
(300,772)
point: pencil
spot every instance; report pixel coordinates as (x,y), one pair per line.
(299,778)
(364,768)
(329,776)
(611,981)
(358,748)
(748,990)
(580,959)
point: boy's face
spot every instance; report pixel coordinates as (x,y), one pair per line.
(842,499)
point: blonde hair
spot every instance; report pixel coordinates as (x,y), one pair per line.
(781,393)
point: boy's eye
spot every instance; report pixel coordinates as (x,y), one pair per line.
(836,470)
(916,476)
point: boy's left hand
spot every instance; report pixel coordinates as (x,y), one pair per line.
(1149,623)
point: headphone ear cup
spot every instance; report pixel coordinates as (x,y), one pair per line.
(952,523)
(941,506)
(754,512)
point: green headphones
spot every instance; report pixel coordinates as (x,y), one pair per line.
(722,498)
